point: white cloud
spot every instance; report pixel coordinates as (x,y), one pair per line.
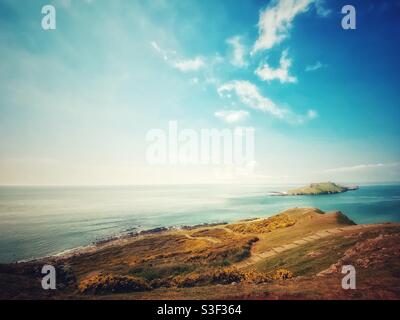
(320,8)
(314,67)
(361,167)
(249,95)
(162,52)
(232,116)
(266,73)
(301,119)
(189,64)
(183,65)
(239,52)
(276,20)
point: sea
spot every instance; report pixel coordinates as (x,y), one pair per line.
(41,221)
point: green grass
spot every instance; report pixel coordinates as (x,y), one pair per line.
(159,272)
(299,261)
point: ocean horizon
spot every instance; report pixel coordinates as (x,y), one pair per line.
(41,221)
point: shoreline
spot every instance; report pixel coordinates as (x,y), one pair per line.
(186,260)
(125,238)
(120,238)
(265,205)
(111,241)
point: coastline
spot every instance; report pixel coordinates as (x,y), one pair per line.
(189,261)
(364,209)
(116,239)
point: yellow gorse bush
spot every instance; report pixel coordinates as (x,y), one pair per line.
(282,274)
(110,283)
(227,276)
(263,225)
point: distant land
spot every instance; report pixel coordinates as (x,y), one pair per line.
(297,254)
(316,189)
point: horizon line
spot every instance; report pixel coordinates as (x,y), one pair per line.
(199,183)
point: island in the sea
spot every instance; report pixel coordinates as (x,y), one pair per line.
(316,189)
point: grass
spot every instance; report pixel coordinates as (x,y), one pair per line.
(308,222)
(301,260)
(217,233)
(312,258)
(166,255)
(159,272)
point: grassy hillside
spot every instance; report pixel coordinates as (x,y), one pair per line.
(205,262)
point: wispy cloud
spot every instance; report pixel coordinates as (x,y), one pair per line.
(276,20)
(321,9)
(361,167)
(238,54)
(232,116)
(249,95)
(189,64)
(266,73)
(183,65)
(314,67)
(162,52)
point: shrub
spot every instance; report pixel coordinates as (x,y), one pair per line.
(109,283)
(226,263)
(256,277)
(150,273)
(161,282)
(282,274)
(219,276)
(226,276)
(189,280)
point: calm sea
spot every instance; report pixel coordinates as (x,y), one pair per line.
(38,221)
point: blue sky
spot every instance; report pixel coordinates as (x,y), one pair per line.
(76,102)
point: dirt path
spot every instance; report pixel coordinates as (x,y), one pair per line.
(254,258)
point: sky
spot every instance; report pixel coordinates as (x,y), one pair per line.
(77,102)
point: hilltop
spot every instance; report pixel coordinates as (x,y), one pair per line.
(297,253)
